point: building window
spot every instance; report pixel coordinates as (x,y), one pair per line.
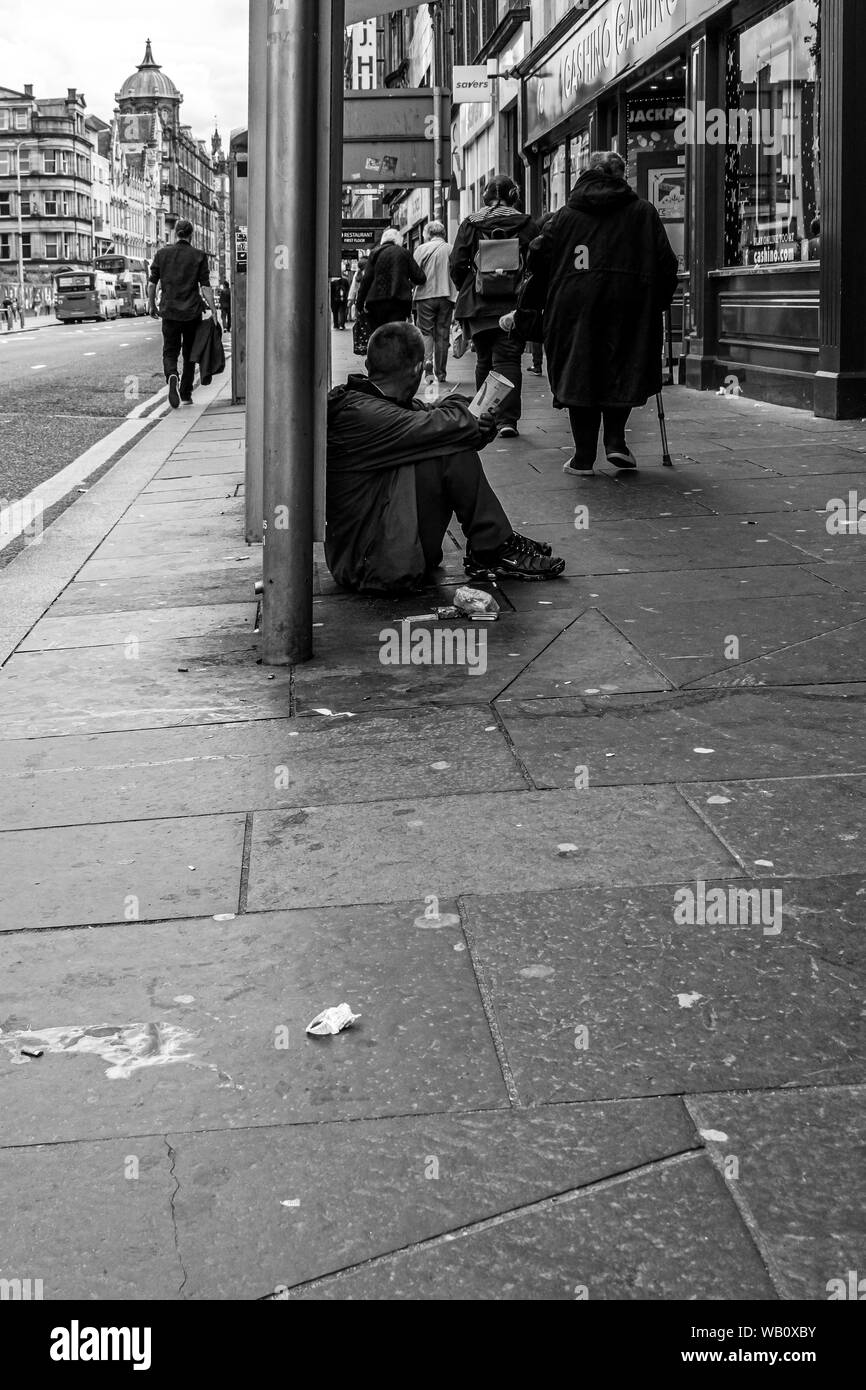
(24,161)
(52,247)
(25,246)
(5,163)
(5,246)
(4,117)
(5,204)
(49,206)
(772,169)
(19,118)
(49,162)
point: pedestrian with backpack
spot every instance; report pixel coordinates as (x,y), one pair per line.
(487,265)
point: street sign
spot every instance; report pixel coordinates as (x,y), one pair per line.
(471,84)
(362,234)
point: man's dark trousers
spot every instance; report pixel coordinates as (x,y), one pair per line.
(457,485)
(498,351)
(177,334)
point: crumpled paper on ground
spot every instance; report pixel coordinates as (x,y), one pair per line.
(475,603)
(332,1020)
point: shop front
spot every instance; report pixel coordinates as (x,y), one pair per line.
(736,119)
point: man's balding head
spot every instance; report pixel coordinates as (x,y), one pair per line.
(395,359)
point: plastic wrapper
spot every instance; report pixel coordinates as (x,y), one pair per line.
(332,1020)
(476,604)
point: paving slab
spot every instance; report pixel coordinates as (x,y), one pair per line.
(346,671)
(701,586)
(192,447)
(129,871)
(142,624)
(622,740)
(687,641)
(822,456)
(800,825)
(799,1180)
(668,1233)
(807,532)
(146,565)
(455,845)
(589,653)
(155,592)
(162,515)
(810,492)
(202,485)
(240,767)
(203,464)
(226,1005)
(600,993)
(612,547)
(848,575)
(207,538)
(421,1177)
(188,681)
(601,495)
(831,657)
(92,1221)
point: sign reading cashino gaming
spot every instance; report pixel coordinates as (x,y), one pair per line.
(616,36)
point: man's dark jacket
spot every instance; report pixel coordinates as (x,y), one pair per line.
(207,350)
(603,326)
(371,538)
(472,307)
(391,272)
(180,268)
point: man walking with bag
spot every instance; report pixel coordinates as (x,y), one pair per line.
(487,266)
(184,276)
(434,301)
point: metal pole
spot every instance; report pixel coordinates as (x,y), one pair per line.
(292,157)
(20,239)
(255,309)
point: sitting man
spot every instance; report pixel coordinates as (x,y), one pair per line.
(398,469)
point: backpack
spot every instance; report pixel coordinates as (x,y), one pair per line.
(498,265)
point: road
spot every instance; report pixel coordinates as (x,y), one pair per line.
(66,386)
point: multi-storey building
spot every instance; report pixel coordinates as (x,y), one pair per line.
(148,117)
(127,224)
(44,144)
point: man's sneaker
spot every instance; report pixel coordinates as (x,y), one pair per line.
(621,456)
(508,432)
(517,558)
(541,546)
(187,400)
(534,371)
(173,396)
(577,470)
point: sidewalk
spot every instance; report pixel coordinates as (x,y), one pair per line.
(556,1089)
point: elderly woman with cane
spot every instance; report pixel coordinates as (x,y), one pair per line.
(602,273)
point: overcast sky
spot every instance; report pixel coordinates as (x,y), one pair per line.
(95,45)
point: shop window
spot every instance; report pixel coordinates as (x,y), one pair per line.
(578,156)
(772,168)
(656,161)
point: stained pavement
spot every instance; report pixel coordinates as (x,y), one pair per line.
(554,1090)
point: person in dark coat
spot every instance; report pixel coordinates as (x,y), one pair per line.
(495,350)
(339,290)
(604,272)
(398,468)
(225,303)
(385,293)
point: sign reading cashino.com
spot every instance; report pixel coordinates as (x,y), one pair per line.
(612,38)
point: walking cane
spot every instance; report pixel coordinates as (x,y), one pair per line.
(667,462)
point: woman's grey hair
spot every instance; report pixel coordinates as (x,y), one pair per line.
(434,229)
(391,234)
(608,162)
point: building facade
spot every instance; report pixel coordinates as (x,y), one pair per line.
(44,145)
(741,120)
(148,119)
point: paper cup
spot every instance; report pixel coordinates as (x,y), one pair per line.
(491,393)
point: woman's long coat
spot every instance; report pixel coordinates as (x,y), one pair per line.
(604,272)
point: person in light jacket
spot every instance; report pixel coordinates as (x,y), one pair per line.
(434,300)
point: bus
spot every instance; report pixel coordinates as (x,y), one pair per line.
(81,293)
(131,276)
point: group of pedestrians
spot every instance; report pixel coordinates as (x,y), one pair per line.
(592,284)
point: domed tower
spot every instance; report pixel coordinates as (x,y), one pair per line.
(149,90)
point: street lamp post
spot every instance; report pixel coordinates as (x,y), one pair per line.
(20,237)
